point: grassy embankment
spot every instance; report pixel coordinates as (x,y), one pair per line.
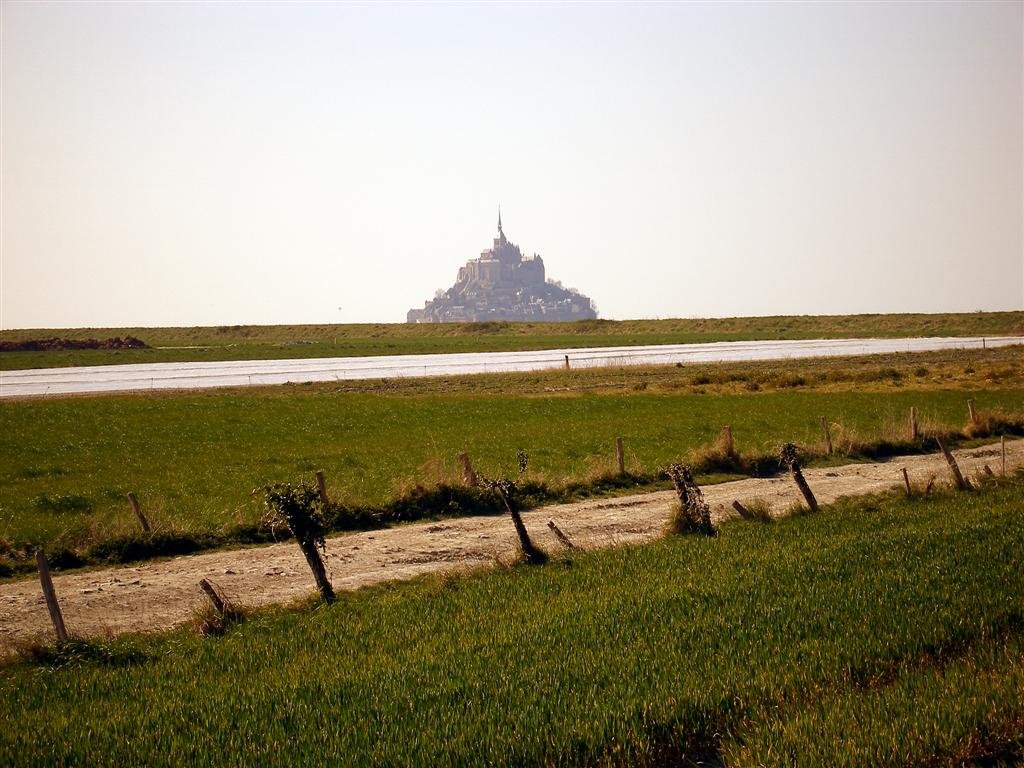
(883,631)
(252,342)
(193,459)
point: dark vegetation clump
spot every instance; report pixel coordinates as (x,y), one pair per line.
(693,515)
(56,344)
(994,423)
(78,652)
(300,509)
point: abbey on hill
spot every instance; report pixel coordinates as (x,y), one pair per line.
(503,284)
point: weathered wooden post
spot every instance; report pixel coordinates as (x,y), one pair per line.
(220,603)
(565,541)
(906,480)
(137,508)
(971,412)
(828,435)
(743,511)
(620,459)
(567,362)
(727,440)
(468,475)
(321,487)
(954,468)
(913,423)
(51,597)
(791,458)
(507,490)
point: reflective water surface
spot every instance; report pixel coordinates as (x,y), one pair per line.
(119,378)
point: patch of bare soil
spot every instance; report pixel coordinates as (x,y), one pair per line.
(162,594)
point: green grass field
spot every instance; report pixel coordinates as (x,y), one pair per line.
(194,459)
(252,342)
(880,632)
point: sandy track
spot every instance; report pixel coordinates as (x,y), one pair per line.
(162,594)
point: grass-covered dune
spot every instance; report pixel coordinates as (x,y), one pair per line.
(194,459)
(879,632)
(252,342)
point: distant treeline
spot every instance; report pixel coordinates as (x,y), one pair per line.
(57,344)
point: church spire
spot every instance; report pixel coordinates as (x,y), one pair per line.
(499,219)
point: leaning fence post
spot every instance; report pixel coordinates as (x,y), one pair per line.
(906,480)
(954,468)
(220,603)
(743,511)
(620,459)
(51,597)
(790,457)
(565,541)
(321,487)
(971,412)
(913,423)
(138,512)
(828,435)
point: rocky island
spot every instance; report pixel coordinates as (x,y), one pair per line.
(503,284)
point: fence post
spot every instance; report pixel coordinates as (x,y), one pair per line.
(51,597)
(321,486)
(468,475)
(620,459)
(138,512)
(906,480)
(220,603)
(562,538)
(790,458)
(828,435)
(970,410)
(954,468)
(727,439)
(567,362)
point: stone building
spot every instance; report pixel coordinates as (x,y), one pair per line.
(503,284)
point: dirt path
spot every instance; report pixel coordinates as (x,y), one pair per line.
(162,594)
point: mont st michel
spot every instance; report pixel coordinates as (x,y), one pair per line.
(503,284)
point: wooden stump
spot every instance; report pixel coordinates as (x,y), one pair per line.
(620,459)
(828,435)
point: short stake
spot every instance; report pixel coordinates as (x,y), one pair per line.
(567,362)
(954,468)
(743,511)
(971,412)
(906,480)
(620,459)
(828,435)
(133,500)
(562,538)
(468,475)
(51,597)
(321,486)
(220,603)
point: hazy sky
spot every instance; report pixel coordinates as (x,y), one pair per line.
(221,163)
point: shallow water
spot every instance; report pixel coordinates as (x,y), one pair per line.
(234,373)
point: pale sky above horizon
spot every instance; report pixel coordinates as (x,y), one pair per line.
(223,163)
